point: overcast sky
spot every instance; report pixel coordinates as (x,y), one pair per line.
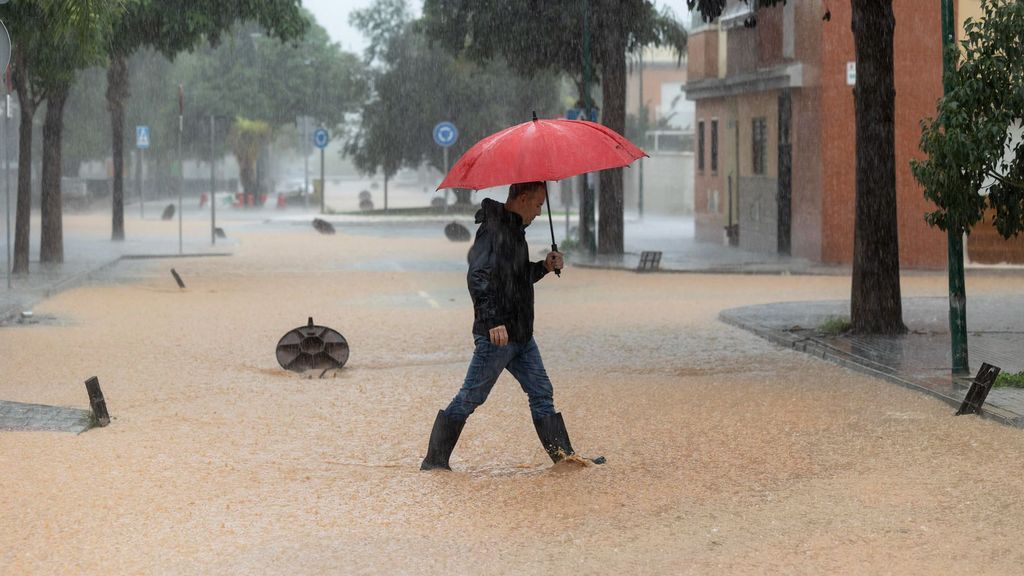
(333,16)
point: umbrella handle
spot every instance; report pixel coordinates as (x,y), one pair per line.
(554,245)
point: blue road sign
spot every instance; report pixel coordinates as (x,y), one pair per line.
(142,137)
(320,138)
(445,134)
(577,114)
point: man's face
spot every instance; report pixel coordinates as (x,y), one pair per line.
(530,204)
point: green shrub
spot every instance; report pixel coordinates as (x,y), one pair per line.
(1010,380)
(835,325)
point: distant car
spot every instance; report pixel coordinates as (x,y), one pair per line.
(293,187)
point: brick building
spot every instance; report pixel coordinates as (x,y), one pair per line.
(775,127)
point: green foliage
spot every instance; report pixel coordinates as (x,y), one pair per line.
(1009,380)
(416,85)
(247,139)
(835,326)
(973,163)
(535,36)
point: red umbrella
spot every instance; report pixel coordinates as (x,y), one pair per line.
(541,150)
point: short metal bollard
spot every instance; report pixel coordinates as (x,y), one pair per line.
(181,284)
(457,232)
(649,262)
(99,405)
(980,386)
(323,226)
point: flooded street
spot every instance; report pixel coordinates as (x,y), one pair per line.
(725,454)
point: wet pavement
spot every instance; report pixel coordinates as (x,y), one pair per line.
(726,454)
(920,359)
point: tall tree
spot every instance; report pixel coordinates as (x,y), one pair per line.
(53,39)
(875,301)
(534,36)
(397,120)
(171,27)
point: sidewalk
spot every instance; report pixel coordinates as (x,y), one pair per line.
(87,254)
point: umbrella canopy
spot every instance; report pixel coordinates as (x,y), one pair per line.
(540,150)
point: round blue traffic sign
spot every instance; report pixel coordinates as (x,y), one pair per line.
(445,134)
(320,138)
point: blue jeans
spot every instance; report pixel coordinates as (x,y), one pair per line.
(522,360)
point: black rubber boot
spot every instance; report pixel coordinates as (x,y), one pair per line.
(552,434)
(442,441)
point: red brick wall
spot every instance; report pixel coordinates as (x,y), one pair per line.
(918,72)
(769,36)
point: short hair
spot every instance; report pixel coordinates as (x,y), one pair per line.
(518,189)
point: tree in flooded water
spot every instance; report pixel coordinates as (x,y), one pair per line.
(416,85)
(171,27)
(533,36)
(875,301)
(51,42)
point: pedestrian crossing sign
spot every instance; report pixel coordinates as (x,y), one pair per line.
(142,137)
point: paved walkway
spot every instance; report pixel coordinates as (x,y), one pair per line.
(920,359)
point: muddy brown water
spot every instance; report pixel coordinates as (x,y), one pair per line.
(726,455)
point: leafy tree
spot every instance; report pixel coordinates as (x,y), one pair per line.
(52,40)
(172,27)
(875,301)
(247,139)
(415,86)
(973,164)
(260,79)
(534,36)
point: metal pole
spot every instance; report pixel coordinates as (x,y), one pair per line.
(588,195)
(213,184)
(323,184)
(954,231)
(446,173)
(7,181)
(181,163)
(305,161)
(643,135)
(138,181)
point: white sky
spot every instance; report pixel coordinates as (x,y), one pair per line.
(333,16)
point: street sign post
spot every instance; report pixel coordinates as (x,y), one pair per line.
(445,134)
(142,144)
(320,139)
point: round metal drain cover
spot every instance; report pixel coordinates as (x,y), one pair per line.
(312,347)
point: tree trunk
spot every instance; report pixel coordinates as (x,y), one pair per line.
(613,92)
(51,243)
(875,303)
(23,212)
(117,95)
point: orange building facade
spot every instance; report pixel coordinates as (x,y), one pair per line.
(775,118)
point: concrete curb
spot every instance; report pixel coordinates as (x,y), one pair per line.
(823,350)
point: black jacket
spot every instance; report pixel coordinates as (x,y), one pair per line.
(501,275)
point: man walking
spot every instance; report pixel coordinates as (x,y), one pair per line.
(500,280)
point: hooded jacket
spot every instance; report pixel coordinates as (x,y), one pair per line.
(501,276)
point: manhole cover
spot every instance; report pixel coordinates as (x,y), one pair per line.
(312,347)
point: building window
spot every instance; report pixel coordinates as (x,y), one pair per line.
(700,146)
(714,145)
(759,137)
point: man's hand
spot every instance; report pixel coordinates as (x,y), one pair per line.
(499,335)
(553,261)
